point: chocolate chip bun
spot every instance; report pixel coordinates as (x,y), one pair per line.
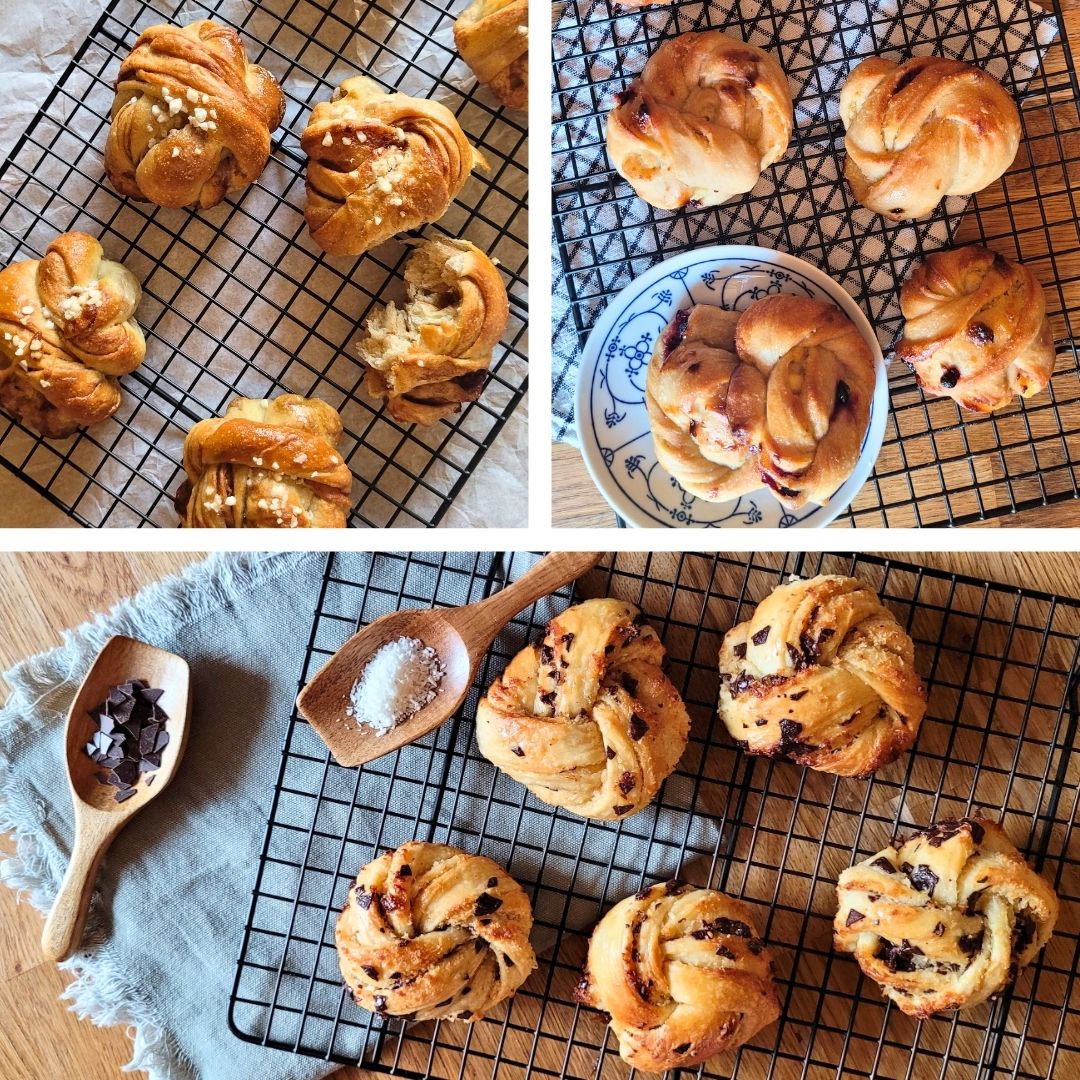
(586,719)
(822,674)
(946,918)
(429,932)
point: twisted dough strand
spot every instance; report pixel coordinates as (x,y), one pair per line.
(429,932)
(945,919)
(706,115)
(264,465)
(67,330)
(822,675)
(918,131)
(976,328)
(682,974)
(587,719)
(192,118)
(380,164)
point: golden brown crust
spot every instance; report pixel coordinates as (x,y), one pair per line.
(682,974)
(380,164)
(587,719)
(67,330)
(924,129)
(430,356)
(945,919)
(706,115)
(976,328)
(778,396)
(492,37)
(822,674)
(192,118)
(264,465)
(429,932)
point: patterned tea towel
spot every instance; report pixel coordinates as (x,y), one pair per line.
(801,205)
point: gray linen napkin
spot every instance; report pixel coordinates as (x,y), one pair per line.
(174,891)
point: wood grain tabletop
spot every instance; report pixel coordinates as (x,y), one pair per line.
(1004,209)
(40,595)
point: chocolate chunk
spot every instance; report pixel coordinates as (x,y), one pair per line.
(516,750)
(638,727)
(897,957)
(127,771)
(681,1048)
(755,945)
(790,744)
(854,917)
(486,904)
(980,333)
(1023,932)
(548,697)
(508,961)
(923,878)
(971,943)
(369,971)
(405,871)
(760,722)
(883,864)
(672,336)
(761,636)
(626,783)
(643,894)
(150,779)
(739,649)
(547,654)
(620,810)
(795,656)
(380,1003)
(124,793)
(609,752)
(362,897)
(676,887)
(950,377)
(629,684)
(568,640)
(492,882)
(798,695)
(581,991)
(725,952)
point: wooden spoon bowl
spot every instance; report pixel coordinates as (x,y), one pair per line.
(460,636)
(98,816)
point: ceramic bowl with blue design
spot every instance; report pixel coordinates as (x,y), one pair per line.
(613,421)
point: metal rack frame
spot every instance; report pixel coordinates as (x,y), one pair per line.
(1001,664)
(281,314)
(939,465)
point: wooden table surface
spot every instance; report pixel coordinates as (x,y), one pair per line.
(40,594)
(578,504)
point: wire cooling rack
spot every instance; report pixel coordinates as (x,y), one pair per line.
(939,465)
(1001,665)
(239,300)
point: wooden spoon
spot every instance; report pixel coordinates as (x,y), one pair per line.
(98,816)
(461,636)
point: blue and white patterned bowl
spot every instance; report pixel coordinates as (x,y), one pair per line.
(613,422)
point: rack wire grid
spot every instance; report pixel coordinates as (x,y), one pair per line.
(238,300)
(1001,665)
(939,465)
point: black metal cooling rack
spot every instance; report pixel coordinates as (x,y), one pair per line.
(938,465)
(238,300)
(1001,664)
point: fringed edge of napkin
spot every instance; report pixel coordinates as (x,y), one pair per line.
(101,991)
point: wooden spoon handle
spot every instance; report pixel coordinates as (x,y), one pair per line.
(64,926)
(484,620)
